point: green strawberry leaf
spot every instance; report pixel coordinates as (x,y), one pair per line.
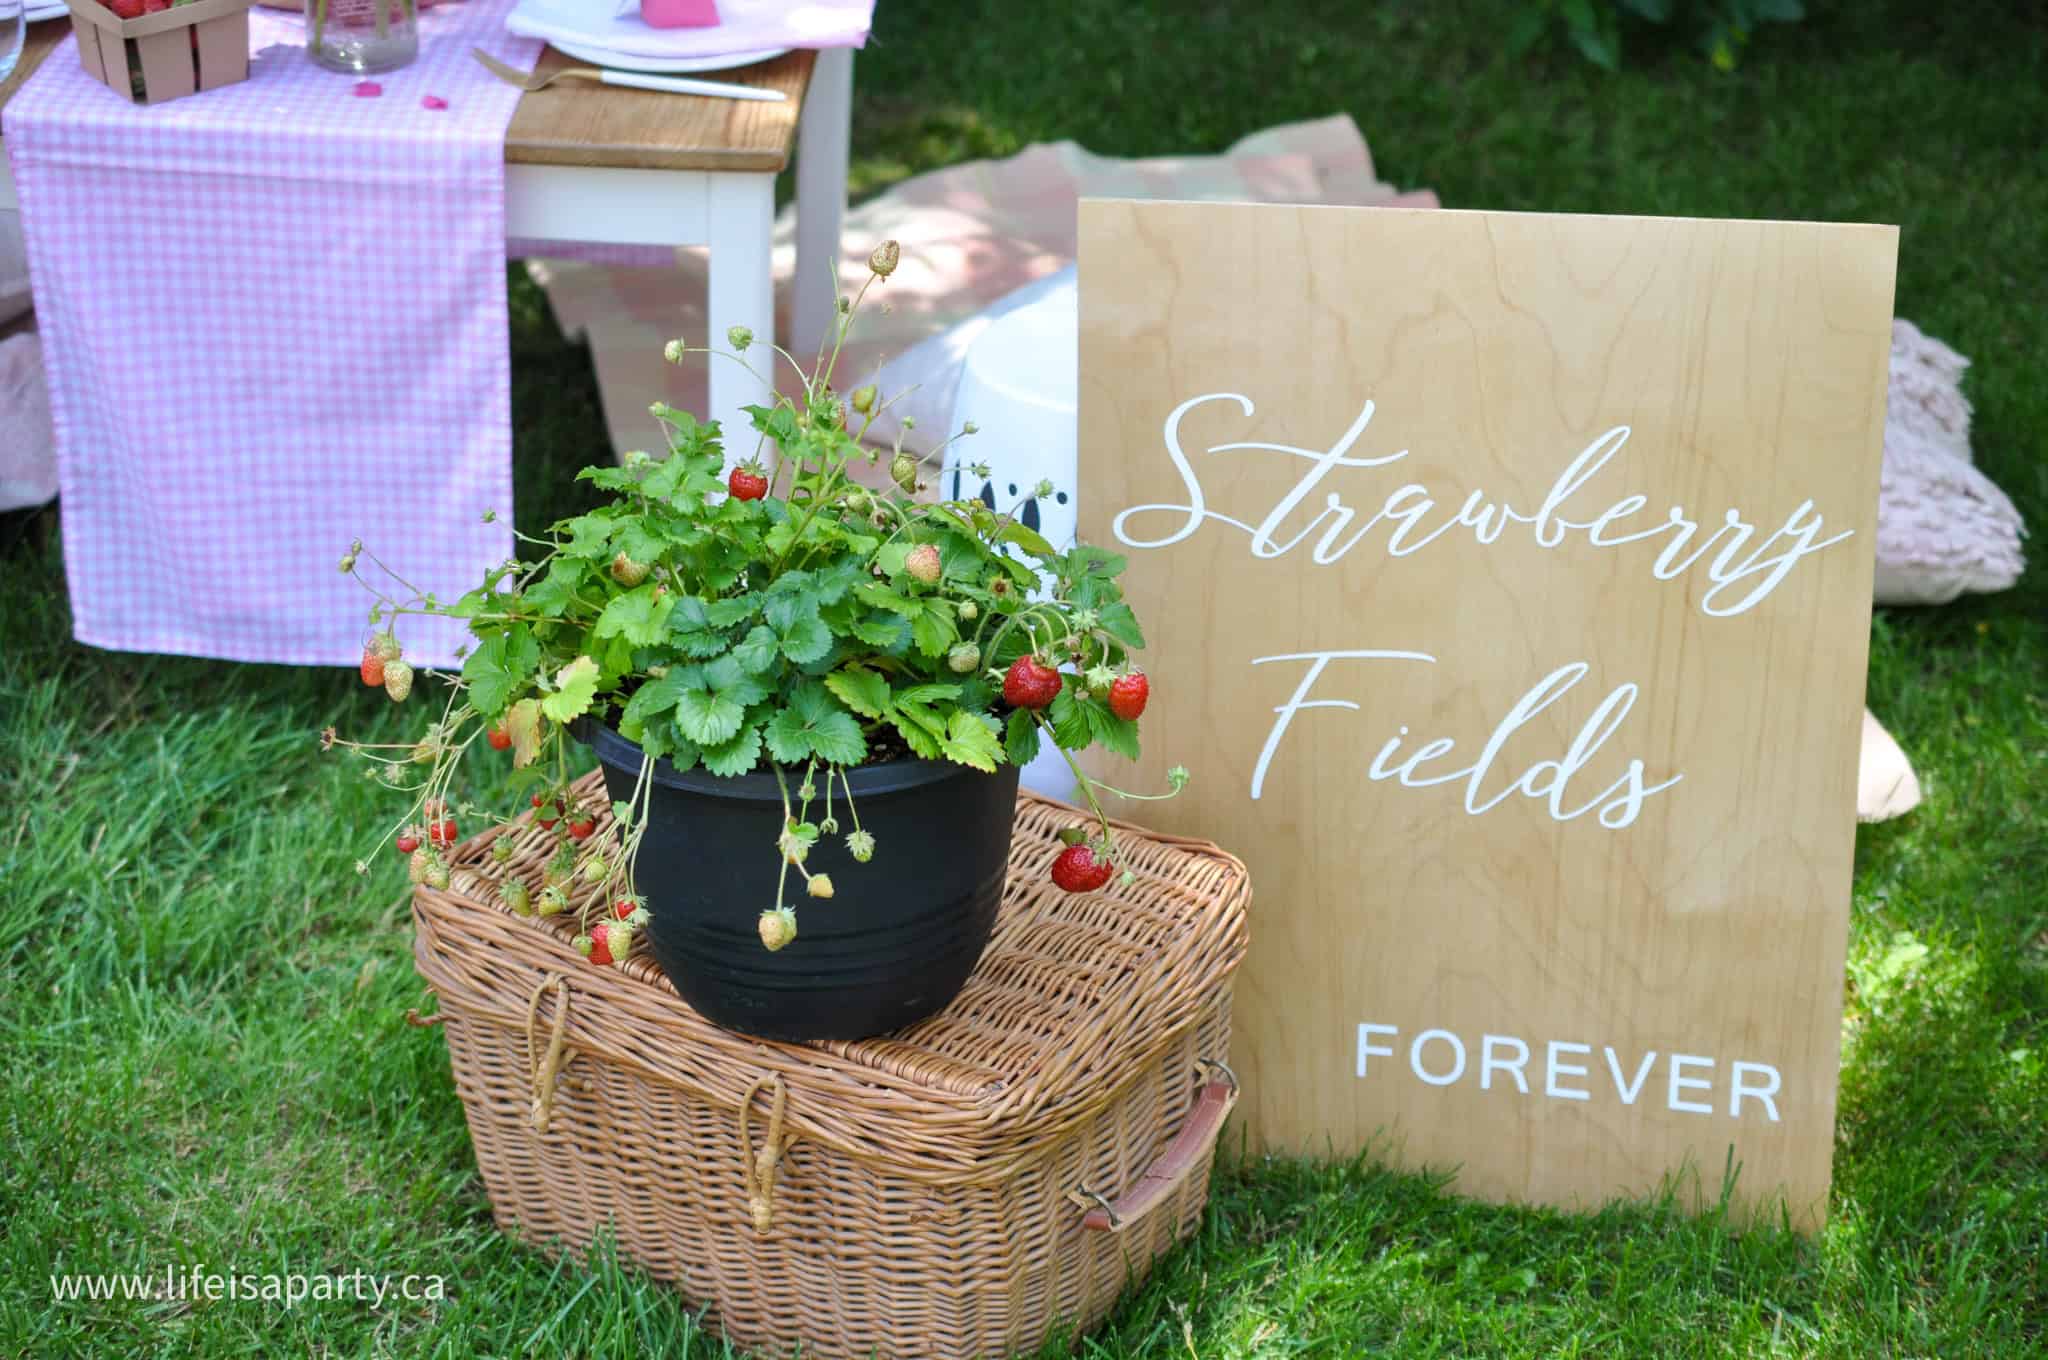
(813,725)
(729,678)
(1069,723)
(837,740)
(735,756)
(886,631)
(1113,733)
(971,740)
(1030,540)
(650,701)
(727,612)
(709,719)
(1119,622)
(756,651)
(927,694)
(637,616)
(789,741)
(503,665)
(861,690)
(698,645)
(934,631)
(921,728)
(881,597)
(575,688)
(806,639)
(1020,738)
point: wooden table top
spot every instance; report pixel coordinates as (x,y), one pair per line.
(583,123)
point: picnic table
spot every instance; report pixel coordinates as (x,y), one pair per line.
(595,163)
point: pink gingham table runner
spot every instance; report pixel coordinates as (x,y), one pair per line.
(274,320)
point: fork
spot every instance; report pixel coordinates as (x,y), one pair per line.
(716,89)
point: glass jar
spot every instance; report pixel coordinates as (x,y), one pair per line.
(362,36)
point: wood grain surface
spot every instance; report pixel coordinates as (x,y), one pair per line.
(1666,987)
(579,123)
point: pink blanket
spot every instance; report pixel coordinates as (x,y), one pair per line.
(970,232)
(274,319)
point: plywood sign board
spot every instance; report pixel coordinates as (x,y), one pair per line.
(1507,579)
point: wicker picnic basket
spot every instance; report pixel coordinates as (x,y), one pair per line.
(966,1187)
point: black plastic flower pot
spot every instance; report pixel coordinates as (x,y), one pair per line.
(894,944)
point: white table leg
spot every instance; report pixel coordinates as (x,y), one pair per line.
(820,196)
(740,234)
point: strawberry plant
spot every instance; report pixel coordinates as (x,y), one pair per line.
(807,612)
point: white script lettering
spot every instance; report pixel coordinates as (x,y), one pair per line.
(1741,579)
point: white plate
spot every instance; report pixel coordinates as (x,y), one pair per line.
(668,66)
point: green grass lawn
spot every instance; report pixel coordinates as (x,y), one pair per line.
(202,1060)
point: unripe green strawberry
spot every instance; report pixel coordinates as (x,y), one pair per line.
(903,471)
(777,927)
(501,850)
(517,896)
(969,611)
(963,659)
(587,946)
(861,845)
(924,564)
(627,572)
(820,885)
(863,398)
(594,869)
(416,865)
(553,902)
(560,869)
(437,873)
(398,679)
(618,938)
(386,645)
(882,259)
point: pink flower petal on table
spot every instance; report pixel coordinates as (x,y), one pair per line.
(433,101)
(368,89)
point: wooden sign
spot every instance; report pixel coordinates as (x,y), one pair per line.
(1507,584)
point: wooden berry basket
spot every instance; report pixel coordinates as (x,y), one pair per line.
(174,52)
(963,1188)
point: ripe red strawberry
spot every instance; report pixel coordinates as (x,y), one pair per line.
(545,811)
(747,482)
(600,950)
(1127,695)
(1030,683)
(442,833)
(1077,870)
(126,9)
(582,827)
(373,668)
(406,842)
(499,738)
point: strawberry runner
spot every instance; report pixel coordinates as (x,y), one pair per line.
(274,320)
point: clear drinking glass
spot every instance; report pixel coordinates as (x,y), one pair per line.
(360,36)
(13,27)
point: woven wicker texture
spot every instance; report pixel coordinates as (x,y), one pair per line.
(926,1194)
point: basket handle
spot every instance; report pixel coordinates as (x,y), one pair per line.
(1197,1137)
